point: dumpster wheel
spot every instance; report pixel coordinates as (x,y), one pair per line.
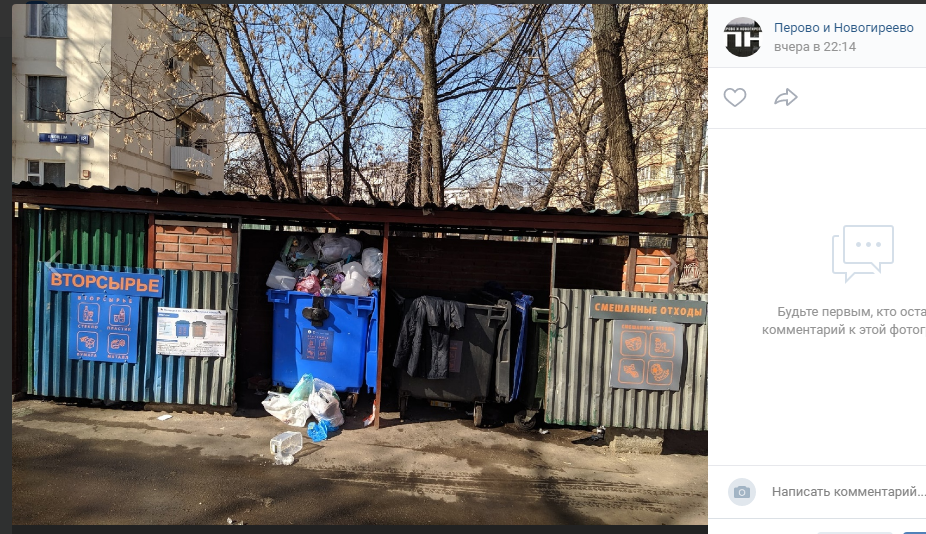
(524,423)
(350,403)
(477,415)
(403,406)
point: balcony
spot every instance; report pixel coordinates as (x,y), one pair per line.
(191,45)
(189,160)
(194,47)
(184,94)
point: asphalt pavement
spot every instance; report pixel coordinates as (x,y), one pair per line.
(75,462)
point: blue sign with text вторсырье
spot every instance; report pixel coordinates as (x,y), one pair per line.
(104,309)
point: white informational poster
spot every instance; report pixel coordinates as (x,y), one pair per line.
(185,332)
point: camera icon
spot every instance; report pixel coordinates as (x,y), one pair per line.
(741,492)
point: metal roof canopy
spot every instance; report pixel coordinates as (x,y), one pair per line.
(502,220)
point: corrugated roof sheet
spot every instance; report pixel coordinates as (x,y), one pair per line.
(336,201)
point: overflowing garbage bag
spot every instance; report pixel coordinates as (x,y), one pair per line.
(291,413)
(372,261)
(333,247)
(325,404)
(331,264)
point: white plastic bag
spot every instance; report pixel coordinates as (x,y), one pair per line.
(333,247)
(372,259)
(293,414)
(325,404)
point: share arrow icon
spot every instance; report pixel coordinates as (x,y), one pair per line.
(787,97)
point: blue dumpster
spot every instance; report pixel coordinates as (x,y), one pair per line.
(327,337)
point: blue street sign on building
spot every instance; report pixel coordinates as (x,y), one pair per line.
(64,139)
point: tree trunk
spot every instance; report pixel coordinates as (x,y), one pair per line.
(413,169)
(501,158)
(593,177)
(347,179)
(610,27)
(432,167)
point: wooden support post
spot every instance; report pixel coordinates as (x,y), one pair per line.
(630,281)
(382,324)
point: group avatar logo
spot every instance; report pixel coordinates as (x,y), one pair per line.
(742,36)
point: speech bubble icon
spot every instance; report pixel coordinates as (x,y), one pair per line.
(871,245)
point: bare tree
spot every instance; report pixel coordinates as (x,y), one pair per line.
(608,34)
(353,70)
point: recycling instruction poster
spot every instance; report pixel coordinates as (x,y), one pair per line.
(647,355)
(188,332)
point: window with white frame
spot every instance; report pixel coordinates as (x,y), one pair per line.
(181,187)
(45,172)
(48,20)
(46,98)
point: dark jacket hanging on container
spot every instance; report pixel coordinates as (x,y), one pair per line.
(435,317)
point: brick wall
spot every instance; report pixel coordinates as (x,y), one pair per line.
(193,248)
(652,272)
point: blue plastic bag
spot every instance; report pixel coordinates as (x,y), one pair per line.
(319,431)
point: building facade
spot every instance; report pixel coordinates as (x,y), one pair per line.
(73,65)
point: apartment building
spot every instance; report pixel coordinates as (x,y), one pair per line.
(73,64)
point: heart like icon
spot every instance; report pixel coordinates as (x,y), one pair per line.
(734,96)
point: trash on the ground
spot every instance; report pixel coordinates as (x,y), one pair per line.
(284,446)
(368,420)
(283,459)
(543,431)
(596,437)
(600,430)
(325,404)
(164,417)
(319,431)
(279,406)
(230,521)
(303,389)
(286,443)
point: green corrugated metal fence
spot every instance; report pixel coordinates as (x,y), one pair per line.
(578,390)
(70,236)
(203,381)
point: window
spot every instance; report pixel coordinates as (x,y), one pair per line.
(183,134)
(45,172)
(173,68)
(48,20)
(201,145)
(46,95)
(181,187)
